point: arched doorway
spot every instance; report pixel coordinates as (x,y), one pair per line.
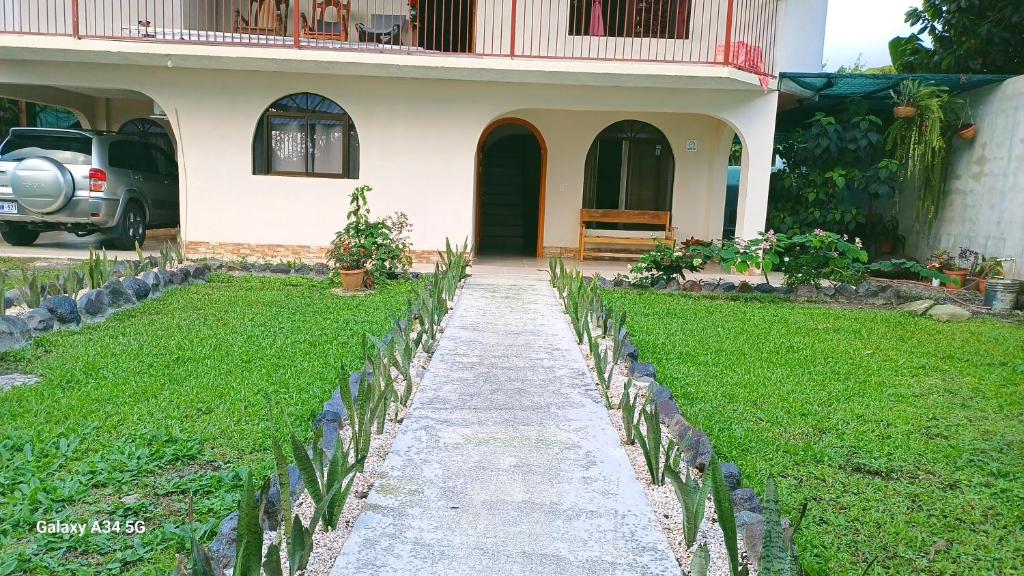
(511,165)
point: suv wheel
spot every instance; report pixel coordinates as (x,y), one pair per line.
(19,235)
(131,229)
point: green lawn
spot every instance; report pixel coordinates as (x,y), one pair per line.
(161,401)
(905,435)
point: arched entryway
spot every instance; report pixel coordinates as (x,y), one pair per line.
(630,166)
(511,164)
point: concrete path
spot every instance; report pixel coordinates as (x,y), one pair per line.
(507,463)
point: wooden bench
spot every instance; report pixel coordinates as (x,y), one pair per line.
(636,217)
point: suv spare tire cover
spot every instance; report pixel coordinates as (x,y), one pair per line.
(42,184)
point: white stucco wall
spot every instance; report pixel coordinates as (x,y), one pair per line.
(801,35)
(984,205)
(418,140)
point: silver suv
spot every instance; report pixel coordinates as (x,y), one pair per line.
(85,182)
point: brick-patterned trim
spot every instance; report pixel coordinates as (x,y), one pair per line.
(560,251)
(277,252)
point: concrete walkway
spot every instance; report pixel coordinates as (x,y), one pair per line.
(507,463)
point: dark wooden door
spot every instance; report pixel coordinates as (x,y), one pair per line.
(510,195)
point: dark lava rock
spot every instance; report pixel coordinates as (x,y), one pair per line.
(14,333)
(93,302)
(39,320)
(186,273)
(746,500)
(673,285)
(629,350)
(197,272)
(152,278)
(321,269)
(175,278)
(846,291)
(765,288)
(140,289)
(280,268)
(733,477)
(272,511)
(727,287)
(12,298)
(869,290)
(223,547)
(303,270)
(63,308)
(642,370)
(620,282)
(118,295)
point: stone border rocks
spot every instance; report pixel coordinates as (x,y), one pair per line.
(697,450)
(90,306)
(951,306)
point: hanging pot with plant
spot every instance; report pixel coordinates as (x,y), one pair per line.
(921,144)
(905,96)
(968,129)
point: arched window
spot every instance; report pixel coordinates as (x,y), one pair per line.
(306,135)
(150,130)
(630,166)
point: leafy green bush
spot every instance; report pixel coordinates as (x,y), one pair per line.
(837,173)
(812,258)
(380,246)
(664,263)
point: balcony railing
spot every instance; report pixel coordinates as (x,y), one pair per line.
(736,33)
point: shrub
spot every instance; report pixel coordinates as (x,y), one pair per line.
(664,263)
(380,246)
(812,258)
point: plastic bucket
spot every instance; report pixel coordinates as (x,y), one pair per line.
(1001,295)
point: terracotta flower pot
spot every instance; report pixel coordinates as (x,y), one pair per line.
(904,112)
(959,277)
(968,133)
(981,286)
(352,280)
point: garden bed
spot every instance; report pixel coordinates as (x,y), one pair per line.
(903,434)
(161,401)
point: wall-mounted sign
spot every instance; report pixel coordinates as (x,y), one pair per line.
(691,145)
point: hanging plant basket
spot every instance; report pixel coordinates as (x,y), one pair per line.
(968,132)
(904,112)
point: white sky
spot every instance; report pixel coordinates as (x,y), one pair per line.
(863,27)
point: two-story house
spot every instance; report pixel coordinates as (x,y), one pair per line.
(493,120)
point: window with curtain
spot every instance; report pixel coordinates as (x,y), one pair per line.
(630,166)
(630,18)
(306,135)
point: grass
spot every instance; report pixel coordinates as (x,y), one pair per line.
(162,401)
(905,435)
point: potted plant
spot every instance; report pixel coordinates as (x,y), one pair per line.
(985,269)
(967,130)
(950,266)
(350,256)
(352,248)
(906,97)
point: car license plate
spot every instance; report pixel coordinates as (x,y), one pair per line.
(8,207)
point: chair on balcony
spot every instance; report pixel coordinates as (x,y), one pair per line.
(264,18)
(323,29)
(384,29)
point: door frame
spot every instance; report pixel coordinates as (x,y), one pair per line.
(542,197)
